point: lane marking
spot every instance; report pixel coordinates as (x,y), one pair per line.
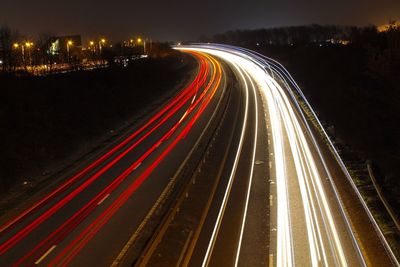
(137,166)
(45,254)
(271,260)
(102,200)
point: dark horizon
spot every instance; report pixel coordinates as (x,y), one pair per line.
(184,20)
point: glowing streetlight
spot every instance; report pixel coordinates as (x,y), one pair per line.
(28,46)
(91,46)
(101,43)
(69,44)
(139,41)
(131,42)
(16,46)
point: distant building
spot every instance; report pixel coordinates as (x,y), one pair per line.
(59,45)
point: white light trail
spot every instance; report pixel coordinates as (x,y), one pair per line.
(232,175)
(324,243)
(251,172)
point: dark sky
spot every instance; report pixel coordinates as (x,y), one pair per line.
(185,19)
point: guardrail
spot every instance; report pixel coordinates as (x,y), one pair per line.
(287,78)
(383,199)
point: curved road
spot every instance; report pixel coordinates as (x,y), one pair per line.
(314,220)
(230,172)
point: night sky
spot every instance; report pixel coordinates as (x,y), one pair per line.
(185,19)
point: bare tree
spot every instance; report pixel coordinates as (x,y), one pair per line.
(5,36)
(7,39)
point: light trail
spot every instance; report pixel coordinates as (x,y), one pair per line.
(243,223)
(231,177)
(307,172)
(325,244)
(187,95)
(296,158)
(73,248)
(199,79)
(53,209)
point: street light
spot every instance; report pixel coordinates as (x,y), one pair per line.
(28,46)
(69,43)
(16,46)
(101,43)
(139,41)
(91,46)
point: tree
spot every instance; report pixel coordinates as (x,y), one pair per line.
(7,39)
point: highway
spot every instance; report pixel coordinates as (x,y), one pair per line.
(229,172)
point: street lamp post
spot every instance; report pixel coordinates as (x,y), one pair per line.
(69,44)
(92,50)
(101,43)
(28,46)
(16,46)
(139,41)
(91,45)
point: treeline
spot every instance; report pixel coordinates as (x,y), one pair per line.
(310,35)
(7,39)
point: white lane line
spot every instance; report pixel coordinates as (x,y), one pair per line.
(251,172)
(102,200)
(137,166)
(271,260)
(45,254)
